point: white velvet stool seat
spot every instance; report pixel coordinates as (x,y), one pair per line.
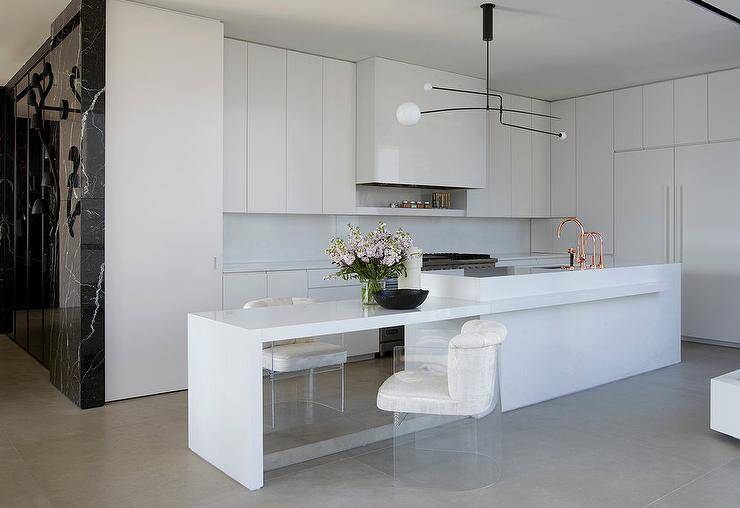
(447,431)
(295,355)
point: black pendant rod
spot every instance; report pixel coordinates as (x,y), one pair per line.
(716,10)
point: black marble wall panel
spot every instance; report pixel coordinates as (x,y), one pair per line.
(77,365)
(6,210)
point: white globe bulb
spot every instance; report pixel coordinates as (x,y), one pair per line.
(428,87)
(408,113)
(563,135)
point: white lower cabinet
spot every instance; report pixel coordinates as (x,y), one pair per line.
(707,180)
(240,288)
(643,207)
(290,283)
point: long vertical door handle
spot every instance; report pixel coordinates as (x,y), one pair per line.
(668,224)
(680,218)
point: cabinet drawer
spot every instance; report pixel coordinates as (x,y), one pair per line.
(240,288)
(316,279)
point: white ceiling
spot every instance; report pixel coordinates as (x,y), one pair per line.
(24,26)
(543,48)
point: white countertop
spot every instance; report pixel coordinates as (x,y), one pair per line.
(272,323)
(274,266)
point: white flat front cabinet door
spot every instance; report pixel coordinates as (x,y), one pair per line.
(235,126)
(541,161)
(690,110)
(521,160)
(707,181)
(266,110)
(499,175)
(563,160)
(292,283)
(628,118)
(339,137)
(643,207)
(304,132)
(724,105)
(240,288)
(658,114)
(595,161)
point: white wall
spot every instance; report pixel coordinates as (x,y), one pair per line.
(265,237)
(163,193)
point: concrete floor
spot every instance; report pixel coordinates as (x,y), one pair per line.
(638,442)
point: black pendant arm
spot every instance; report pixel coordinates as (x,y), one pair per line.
(556,134)
(483,108)
(500,118)
(501,99)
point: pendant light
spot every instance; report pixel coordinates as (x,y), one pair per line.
(409,113)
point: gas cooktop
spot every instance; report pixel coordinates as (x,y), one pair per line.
(455,260)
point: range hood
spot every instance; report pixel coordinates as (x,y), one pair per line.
(446,151)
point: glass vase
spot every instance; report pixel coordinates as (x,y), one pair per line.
(370,286)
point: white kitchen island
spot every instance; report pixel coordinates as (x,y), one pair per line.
(568,331)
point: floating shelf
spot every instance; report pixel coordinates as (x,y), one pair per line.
(415,212)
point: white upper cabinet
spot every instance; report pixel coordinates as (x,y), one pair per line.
(724,105)
(563,160)
(521,159)
(235,126)
(595,163)
(339,191)
(628,119)
(499,163)
(445,149)
(266,133)
(690,110)
(658,114)
(495,199)
(304,132)
(541,160)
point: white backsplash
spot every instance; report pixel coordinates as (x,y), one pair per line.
(266,237)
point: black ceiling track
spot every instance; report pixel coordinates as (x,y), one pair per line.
(716,10)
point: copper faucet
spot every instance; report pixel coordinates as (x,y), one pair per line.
(581,248)
(595,235)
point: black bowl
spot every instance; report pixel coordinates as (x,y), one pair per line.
(400,299)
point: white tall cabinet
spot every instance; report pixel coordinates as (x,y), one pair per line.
(643,207)
(163,160)
(595,160)
(707,244)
